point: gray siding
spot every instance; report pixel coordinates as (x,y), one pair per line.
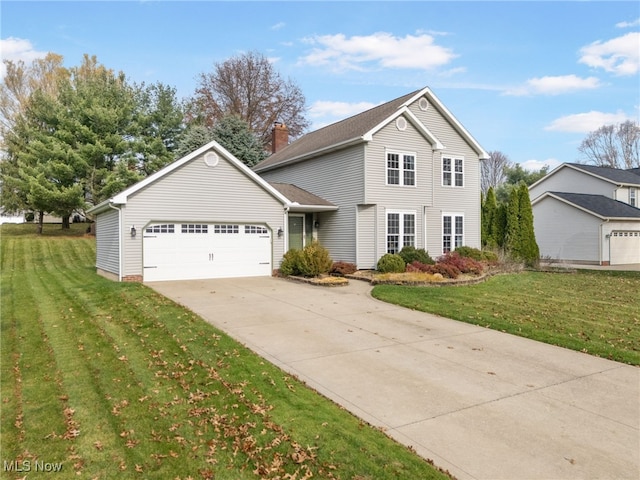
(338,178)
(108,242)
(566,179)
(366,239)
(196,192)
(565,233)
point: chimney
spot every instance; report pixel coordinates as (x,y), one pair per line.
(279,137)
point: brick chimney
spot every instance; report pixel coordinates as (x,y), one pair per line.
(279,137)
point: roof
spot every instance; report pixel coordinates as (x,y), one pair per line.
(599,205)
(359,128)
(122,197)
(612,175)
(301,199)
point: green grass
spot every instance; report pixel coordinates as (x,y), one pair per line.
(596,312)
(112,380)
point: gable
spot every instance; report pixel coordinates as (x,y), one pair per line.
(599,206)
(567,179)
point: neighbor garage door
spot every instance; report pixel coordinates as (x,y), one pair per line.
(185,251)
(625,247)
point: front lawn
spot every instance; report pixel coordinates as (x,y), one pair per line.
(110,380)
(596,312)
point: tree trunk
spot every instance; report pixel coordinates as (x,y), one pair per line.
(40,221)
(65,222)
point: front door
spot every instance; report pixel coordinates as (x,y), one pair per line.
(296,231)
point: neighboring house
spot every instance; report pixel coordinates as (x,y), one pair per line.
(588,214)
(403,173)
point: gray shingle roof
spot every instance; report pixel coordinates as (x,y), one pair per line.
(299,195)
(335,134)
(614,174)
(600,205)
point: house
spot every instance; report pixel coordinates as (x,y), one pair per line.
(588,214)
(206,215)
(403,173)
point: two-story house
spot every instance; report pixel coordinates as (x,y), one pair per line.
(588,214)
(403,173)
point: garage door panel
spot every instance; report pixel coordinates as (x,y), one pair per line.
(625,247)
(200,251)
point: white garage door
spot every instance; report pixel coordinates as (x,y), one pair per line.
(186,251)
(625,247)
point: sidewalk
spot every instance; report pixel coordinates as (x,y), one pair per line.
(479,403)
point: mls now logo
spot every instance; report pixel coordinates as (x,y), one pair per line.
(29,466)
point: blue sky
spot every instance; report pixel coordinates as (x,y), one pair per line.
(529,79)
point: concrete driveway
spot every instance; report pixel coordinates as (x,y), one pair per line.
(479,403)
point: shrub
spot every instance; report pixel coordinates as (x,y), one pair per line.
(291,263)
(391,263)
(463,264)
(446,270)
(311,261)
(343,268)
(315,260)
(470,252)
(412,254)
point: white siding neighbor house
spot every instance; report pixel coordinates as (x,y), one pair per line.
(588,214)
(403,173)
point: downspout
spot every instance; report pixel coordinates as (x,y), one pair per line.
(120,242)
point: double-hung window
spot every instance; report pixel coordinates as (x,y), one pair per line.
(401,168)
(633,200)
(401,230)
(452,172)
(452,231)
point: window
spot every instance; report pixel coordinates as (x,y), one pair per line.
(452,232)
(401,168)
(255,229)
(165,228)
(452,172)
(226,229)
(401,230)
(194,228)
(632,197)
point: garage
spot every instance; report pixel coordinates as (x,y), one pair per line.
(189,251)
(625,247)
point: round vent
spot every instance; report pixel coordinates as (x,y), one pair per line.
(401,123)
(211,159)
(423,104)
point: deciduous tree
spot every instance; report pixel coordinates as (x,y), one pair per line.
(614,146)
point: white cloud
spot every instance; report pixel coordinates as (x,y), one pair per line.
(338,109)
(620,55)
(278,26)
(634,23)
(586,122)
(16,49)
(537,165)
(379,50)
(554,85)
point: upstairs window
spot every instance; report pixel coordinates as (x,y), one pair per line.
(452,172)
(633,200)
(401,168)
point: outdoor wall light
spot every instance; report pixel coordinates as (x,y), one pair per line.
(280,232)
(133,232)
(316,224)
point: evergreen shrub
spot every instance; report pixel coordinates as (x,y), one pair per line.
(391,263)
(412,254)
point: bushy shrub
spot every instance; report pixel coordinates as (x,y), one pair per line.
(463,264)
(391,263)
(446,270)
(412,254)
(315,260)
(311,261)
(343,268)
(290,263)
(477,254)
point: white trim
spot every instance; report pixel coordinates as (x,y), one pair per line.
(401,232)
(437,145)
(454,233)
(590,212)
(401,154)
(453,159)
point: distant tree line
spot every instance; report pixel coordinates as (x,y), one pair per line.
(73,137)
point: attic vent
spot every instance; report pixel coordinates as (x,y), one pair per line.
(211,159)
(401,123)
(423,104)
